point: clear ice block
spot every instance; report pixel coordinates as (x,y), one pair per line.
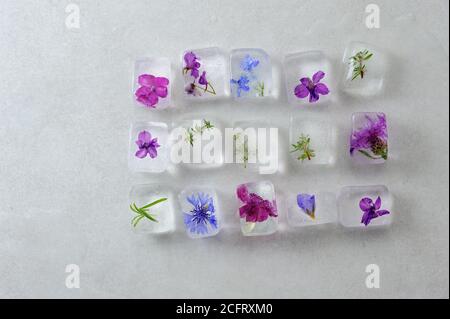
(365,206)
(205,73)
(309,78)
(161,212)
(198,143)
(251,73)
(311,208)
(258,208)
(200,211)
(364,69)
(314,140)
(148,147)
(369,138)
(152,83)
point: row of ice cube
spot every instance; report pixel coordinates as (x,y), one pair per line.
(312,142)
(310,77)
(155,208)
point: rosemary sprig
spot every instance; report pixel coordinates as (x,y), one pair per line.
(142,212)
(260,88)
(357,61)
(303,146)
(192,131)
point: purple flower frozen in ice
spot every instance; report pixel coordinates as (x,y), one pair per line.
(307,203)
(371,137)
(191,63)
(151,89)
(371,210)
(202,80)
(248,63)
(256,209)
(146,145)
(313,87)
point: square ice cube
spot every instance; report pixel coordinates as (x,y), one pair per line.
(309,78)
(369,138)
(312,208)
(152,208)
(364,69)
(312,141)
(198,143)
(251,73)
(201,212)
(205,73)
(258,211)
(152,83)
(255,146)
(365,206)
(148,147)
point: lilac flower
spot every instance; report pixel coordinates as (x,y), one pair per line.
(307,203)
(371,137)
(242,84)
(146,145)
(202,80)
(256,209)
(371,210)
(202,214)
(191,63)
(313,87)
(152,88)
(248,63)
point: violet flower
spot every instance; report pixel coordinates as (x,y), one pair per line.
(256,209)
(371,210)
(371,138)
(248,63)
(307,203)
(242,84)
(191,63)
(146,145)
(151,89)
(202,214)
(313,87)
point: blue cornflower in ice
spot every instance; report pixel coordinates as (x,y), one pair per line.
(202,214)
(242,84)
(248,63)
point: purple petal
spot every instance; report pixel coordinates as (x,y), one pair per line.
(161,91)
(301,91)
(365,204)
(194,73)
(365,219)
(305,81)
(242,193)
(146,80)
(161,81)
(382,212)
(145,137)
(321,89)
(313,97)
(152,152)
(318,76)
(378,203)
(141,153)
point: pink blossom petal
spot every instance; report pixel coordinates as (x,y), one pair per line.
(141,153)
(145,137)
(301,91)
(161,81)
(152,152)
(146,80)
(318,76)
(161,91)
(242,193)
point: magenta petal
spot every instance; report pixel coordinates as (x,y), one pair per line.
(145,137)
(146,80)
(382,212)
(301,91)
(318,76)
(195,73)
(242,193)
(161,91)
(305,81)
(321,89)
(152,151)
(161,81)
(365,204)
(378,203)
(141,153)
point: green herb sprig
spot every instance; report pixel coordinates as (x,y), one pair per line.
(192,131)
(303,146)
(357,61)
(260,89)
(142,212)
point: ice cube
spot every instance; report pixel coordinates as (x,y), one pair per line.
(365,206)
(314,140)
(251,73)
(152,77)
(162,213)
(205,73)
(369,138)
(311,208)
(364,69)
(312,65)
(258,208)
(148,147)
(200,211)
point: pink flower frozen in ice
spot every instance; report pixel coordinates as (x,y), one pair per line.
(151,89)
